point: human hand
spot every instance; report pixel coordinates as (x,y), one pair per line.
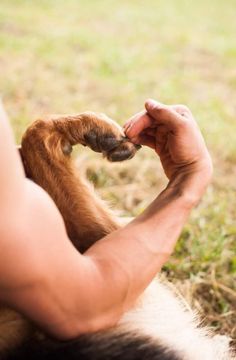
(175,136)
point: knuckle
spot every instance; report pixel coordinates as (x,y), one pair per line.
(184,107)
(184,123)
(162,111)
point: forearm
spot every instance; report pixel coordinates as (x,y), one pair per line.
(118,268)
(141,248)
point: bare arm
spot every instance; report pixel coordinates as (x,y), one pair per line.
(12,175)
(44,277)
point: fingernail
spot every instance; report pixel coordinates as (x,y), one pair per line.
(127,130)
(151,104)
(125,126)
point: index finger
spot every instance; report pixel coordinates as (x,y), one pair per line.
(137,124)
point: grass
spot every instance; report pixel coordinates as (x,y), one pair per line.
(109,56)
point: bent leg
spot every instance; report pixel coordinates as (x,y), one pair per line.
(46,149)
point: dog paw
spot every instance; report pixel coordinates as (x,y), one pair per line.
(107,137)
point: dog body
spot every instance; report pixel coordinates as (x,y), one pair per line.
(161,325)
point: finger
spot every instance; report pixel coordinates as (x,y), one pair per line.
(163,114)
(180,108)
(149,131)
(130,120)
(149,141)
(137,124)
(185,113)
(158,135)
(126,125)
(144,139)
(158,131)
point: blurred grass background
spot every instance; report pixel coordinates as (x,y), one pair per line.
(109,56)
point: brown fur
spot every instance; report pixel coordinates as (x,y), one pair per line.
(46,148)
(45,151)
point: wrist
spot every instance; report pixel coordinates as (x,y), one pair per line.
(191,185)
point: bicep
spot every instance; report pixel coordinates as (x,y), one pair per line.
(38,276)
(33,239)
(11,170)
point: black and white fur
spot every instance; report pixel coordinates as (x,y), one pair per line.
(160,327)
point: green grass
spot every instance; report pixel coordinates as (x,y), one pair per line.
(70,56)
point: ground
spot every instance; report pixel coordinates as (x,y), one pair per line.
(109,56)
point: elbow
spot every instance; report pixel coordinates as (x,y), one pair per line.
(76,327)
(101,323)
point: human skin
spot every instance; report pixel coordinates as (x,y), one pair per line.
(65,293)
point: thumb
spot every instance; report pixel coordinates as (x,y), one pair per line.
(163,114)
(153,105)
